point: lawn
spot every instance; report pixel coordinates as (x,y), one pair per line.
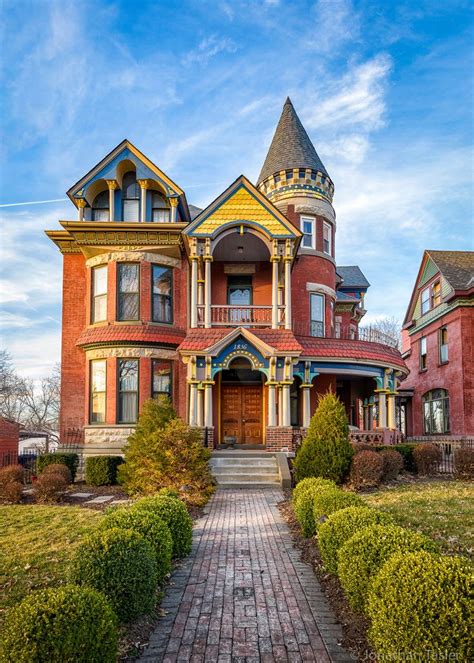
(444,510)
(36,544)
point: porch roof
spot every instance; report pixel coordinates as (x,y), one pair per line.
(339,348)
(199,340)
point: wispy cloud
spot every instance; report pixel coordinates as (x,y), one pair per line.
(208,48)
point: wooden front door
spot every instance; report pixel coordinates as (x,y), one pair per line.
(242,413)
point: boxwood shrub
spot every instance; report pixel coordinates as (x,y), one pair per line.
(362,556)
(303,496)
(151,527)
(421,603)
(120,564)
(68,624)
(102,470)
(339,528)
(406,450)
(175,514)
(333,500)
(69,459)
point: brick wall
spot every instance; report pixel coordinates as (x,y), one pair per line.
(279,438)
(310,269)
(9,437)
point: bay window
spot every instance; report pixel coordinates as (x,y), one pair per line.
(308,230)
(97,401)
(161,378)
(127,378)
(99,294)
(162,294)
(436,412)
(128,291)
(317,314)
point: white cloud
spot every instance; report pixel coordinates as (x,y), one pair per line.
(208,48)
(335,23)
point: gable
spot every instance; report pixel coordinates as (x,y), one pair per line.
(428,272)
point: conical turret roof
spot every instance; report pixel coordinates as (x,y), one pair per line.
(291,146)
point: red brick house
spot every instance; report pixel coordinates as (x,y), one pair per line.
(237,311)
(438,334)
(9,441)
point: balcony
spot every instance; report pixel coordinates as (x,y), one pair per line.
(241,316)
(368,334)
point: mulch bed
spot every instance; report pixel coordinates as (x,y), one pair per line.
(354,627)
(81,487)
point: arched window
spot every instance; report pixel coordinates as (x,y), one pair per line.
(160,211)
(130,197)
(100,207)
(436,412)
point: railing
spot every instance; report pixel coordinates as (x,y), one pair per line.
(370,334)
(230,316)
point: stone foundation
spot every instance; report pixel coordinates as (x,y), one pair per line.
(279,438)
(105,440)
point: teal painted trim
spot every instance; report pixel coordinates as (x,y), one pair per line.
(457,303)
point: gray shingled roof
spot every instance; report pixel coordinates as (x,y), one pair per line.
(291,146)
(352,277)
(457,267)
(194,211)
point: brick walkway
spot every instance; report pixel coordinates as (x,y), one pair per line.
(243,595)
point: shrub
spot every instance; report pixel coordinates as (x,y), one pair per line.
(362,556)
(361,446)
(151,527)
(392,464)
(120,564)
(164,452)
(69,459)
(174,513)
(58,468)
(326,450)
(330,501)
(49,487)
(102,470)
(10,492)
(11,473)
(341,526)
(303,496)
(68,624)
(366,469)
(427,456)
(464,463)
(168,492)
(308,484)
(420,603)
(406,450)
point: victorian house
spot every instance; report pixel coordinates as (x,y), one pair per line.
(238,311)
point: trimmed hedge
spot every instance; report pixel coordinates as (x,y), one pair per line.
(464,463)
(303,496)
(68,625)
(330,501)
(175,514)
(366,469)
(151,527)
(11,484)
(362,556)
(341,526)
(421,603)
(120,564)
(49,487)
(392,464)
(58,468)
(102,470)
(406,450)
(427,457)
(69,459)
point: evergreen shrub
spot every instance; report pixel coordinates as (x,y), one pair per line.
(175,514)
(420,603)
(65,625)
(102,470)
(69,459)
(406,450)
(120,564)
(362,556)
(303,496)
(330,501)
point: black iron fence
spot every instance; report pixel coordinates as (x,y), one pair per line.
(447,447)
(28,459)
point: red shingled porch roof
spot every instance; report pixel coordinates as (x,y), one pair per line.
(350,349)
(140,333)
(282,340)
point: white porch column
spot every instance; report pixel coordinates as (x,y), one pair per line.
(275,261)
(112,184)
(280,405)
(174,209)
(382,422)
(391,420)
(207,291)
(286,405)
(200,406)
(272,418)
(208,420)
(288,260)
(81,203)
(192,403)
(306,404)
(143,186)
(194,274)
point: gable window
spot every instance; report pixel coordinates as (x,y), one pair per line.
(162,288)
(309,236)
(160,211)
(130,197)
(425,301)
(443,345)
(97,391)
(100,207)
(128,280)
(161,378)
(317,314)
(436,294)
(327,238)
(99,294)
(436,412)
(127,373)
(423,353)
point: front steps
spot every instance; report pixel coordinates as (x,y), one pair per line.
(246,469)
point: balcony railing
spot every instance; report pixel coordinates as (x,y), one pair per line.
(370,334)
(241,316)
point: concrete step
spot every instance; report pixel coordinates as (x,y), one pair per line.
(244,469)
(247,476)
(242,462)
(249,484)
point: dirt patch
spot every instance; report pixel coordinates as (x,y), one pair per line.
(354,627)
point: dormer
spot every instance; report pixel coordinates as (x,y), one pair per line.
(127,187)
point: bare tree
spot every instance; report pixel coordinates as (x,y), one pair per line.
(11,389)
(389,328)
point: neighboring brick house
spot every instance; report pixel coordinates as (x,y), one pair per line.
(438,337)
(9,441)
(237,311)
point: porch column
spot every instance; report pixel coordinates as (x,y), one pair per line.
(286,405)
(382,422)
(305,390)
(272,419)
(280,405)
(287,261)
(192,402)
(207,285)
(174,209)
(200,406)
(391,423)
(275,261)
(366,415)
(194,275)
(208,420)
(112,184)
(81,203)
(143,186)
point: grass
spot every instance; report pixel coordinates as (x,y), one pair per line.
(36,544)
(443,510)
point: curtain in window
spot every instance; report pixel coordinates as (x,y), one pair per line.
(128,286)
(99,294)
(100,207)
(98,391)
(162,294)
(128,390)
(161,377)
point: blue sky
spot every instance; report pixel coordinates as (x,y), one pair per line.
(384,89)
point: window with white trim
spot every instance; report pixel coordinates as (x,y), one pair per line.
(423,353)
(443,345)
(425,301)
(317,314)
(99,294)
(327,238)
(98,372)
(308,230)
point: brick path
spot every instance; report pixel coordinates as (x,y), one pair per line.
(243,595)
